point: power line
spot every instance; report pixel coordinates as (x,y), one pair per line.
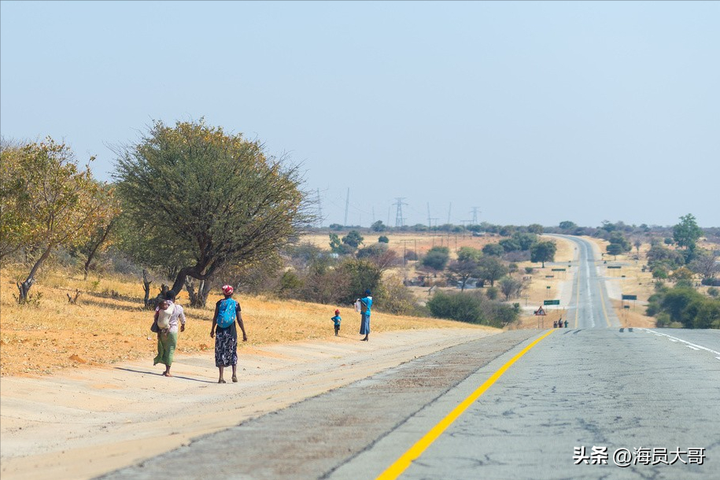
(347,204)
(320,217)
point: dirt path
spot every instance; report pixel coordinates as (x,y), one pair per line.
(85,423)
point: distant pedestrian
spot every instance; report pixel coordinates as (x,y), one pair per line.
(566,323)
(555,324)
(227,312)
(365,306)
(167,316)
(336,320)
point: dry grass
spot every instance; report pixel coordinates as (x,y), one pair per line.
(109,324)
(418,242)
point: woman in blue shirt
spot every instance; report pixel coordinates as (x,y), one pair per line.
(365,305)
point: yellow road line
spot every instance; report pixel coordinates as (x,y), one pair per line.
(402,463)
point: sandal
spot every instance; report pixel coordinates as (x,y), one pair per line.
(234,378)
(222,381)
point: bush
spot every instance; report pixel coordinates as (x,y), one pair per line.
(492,293)
(712,282)
(394,297)
(471,308)
(437,258)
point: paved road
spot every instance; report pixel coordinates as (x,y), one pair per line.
(589,305)
(570,407)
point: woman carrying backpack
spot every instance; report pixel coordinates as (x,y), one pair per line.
(227,312)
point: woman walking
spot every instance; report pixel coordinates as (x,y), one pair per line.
(167,315)
(227,313)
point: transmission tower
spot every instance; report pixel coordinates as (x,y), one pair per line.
(475,212)
(399,216)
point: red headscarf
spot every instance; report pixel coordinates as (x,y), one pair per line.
(228,289)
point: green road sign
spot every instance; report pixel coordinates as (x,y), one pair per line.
(559,269)
(549,276)
(614,266)
(629,297)
(551,302)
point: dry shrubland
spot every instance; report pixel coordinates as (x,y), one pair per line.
(109,323)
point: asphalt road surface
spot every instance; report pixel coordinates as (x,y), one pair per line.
(591,402)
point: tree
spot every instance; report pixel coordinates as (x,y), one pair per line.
(378,226)
(567,225)
(687,232)
(705,264)
(464,269)
(614,249)
(14,231)
(380,255)
(58,204)
(491,269)
(617,238)
(353,238)
(493,250)
(535,228)
(436,258)
(543,252)
(510,287)
(99,240)
(362,275)
(637,243)
(383,239)
(209,198)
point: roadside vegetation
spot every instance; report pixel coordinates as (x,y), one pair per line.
(193,207)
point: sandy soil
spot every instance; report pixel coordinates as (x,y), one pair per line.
(83,423)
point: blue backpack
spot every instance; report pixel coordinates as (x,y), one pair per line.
(226,312)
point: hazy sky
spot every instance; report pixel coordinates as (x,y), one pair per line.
(531,112)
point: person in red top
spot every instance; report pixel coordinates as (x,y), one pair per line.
(227,313)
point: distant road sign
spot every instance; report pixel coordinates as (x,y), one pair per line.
(551,302)
(540,311)
(614,266)
(559,269)
(629,297)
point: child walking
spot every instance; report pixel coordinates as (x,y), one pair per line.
(336,319)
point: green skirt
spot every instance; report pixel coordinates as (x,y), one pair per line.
(166,348)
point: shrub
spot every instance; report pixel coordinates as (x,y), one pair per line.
(437,258)
(471,308)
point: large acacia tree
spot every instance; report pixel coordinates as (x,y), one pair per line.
(204,199)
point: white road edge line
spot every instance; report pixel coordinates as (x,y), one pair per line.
(691,345)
